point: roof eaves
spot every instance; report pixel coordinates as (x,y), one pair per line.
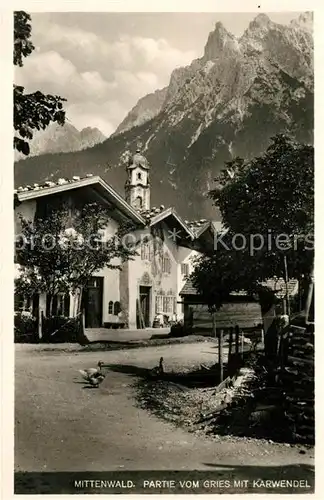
(128,208)
(53,188)
(67,185)
(166,213)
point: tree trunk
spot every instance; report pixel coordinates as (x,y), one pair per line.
(79,303)
(40,323)
(50,309)
(81,319)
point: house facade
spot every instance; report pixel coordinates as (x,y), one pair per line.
(147,287)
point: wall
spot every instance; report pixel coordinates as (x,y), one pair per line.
(27,210)
(111,285)
(185,256)
(149,272)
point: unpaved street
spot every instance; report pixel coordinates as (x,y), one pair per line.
(61,426)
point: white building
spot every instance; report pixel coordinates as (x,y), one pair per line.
(147,286)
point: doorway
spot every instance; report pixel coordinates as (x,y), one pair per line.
(93,301)
(145,294)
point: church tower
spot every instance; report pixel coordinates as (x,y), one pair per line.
(137,187)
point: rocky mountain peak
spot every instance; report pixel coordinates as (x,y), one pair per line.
(146,108)
(219,42)
(62,139)
(261,21)
(228,103)
(304,21)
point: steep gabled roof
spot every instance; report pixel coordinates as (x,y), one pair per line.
(188,288)
(276,285)
(106,192)
(189,231)
(156,215)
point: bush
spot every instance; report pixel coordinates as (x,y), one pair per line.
(60,329)
(25,328)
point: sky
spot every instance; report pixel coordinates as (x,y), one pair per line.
(102,63)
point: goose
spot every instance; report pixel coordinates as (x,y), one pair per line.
(96,380)
(158,370)
(92,372)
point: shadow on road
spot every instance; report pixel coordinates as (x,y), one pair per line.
(196,378)
(113,343)
(266,471)
(130,370)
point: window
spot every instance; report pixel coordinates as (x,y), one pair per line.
(60,305)
(151,252)
(63,305)
(159,304)
(22,303)
(110,307)
(185,269)
(168,305)
(166,264)
(117,308)
(144,251)
(165,304)
(147,250)
(138,202)
(139,176)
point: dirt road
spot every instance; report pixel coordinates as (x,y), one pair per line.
(62,426)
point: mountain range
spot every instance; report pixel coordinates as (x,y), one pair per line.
(227,103)
(62,139)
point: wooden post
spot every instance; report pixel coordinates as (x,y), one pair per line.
(309,296)
(242,344)
(214,324)
(286,283)
(237,336)
(284,303)
(230,341)
(220,356)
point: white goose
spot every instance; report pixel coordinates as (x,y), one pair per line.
(92,373)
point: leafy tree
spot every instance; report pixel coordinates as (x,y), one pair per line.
(267,205)
(270,199)
(271,193)
(33,111)
(60,255)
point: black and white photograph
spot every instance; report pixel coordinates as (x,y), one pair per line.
(163,252)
